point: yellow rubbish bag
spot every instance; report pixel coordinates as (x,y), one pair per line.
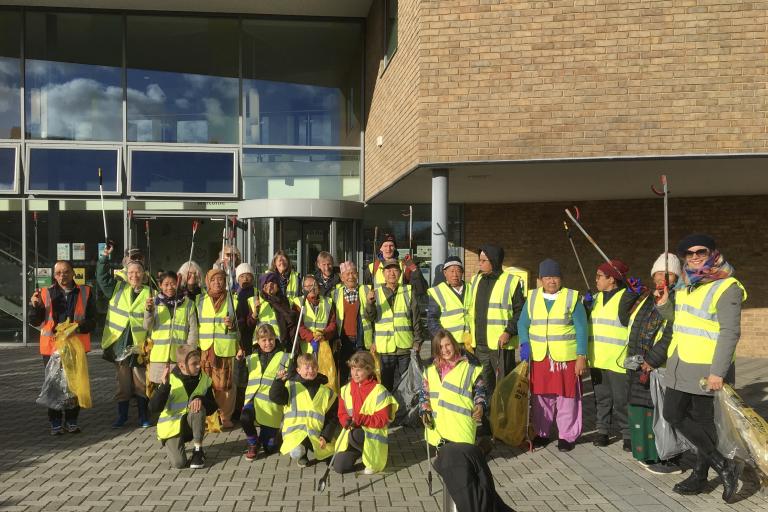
(327,366)
(74,362)
(466,339)
(509,407)
(377,365)
(213,423)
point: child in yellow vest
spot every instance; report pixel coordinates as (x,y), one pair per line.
(366,408)
(309,422)
(184,399)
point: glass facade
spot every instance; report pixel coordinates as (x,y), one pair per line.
(10,75)
(72,170)
(183,172)
(7,169)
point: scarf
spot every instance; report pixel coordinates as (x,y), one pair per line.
(169,302)
(443,366)
(714,269)
(217,298)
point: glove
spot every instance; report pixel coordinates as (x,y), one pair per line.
(349,424)
(427,420)
(409,263)
(588,300)
(315,344)
(249,405)
(635,285)
(525,352)
(380,256)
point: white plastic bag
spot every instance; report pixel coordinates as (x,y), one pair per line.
(668,442)
(55,393)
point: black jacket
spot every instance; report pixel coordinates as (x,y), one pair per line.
(278,393)
(484,289)
(327,287)
(160,396)
(64,307)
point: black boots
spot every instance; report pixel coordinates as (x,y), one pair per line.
(729,471)
(696,481)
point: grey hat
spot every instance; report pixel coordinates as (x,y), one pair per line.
(549,268)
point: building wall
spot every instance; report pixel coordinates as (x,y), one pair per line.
(506,79)
(631,230)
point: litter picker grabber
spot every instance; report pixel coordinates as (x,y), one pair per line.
(576,253)
(130,229)
(665,194)
(37,254)
(298,324)
(429,463)
(149,254)
(322,483)
(409,214)
(231,271)
(103,209)
(575,221)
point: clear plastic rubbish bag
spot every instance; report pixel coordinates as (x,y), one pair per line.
(668,441)
(407,393)
(55,393)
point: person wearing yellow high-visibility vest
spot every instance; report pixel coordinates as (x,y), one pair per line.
(447,306)
(309,421)
(707,320)
(554,330)
(271,307)
(453,396)
(493,309)
(355,331)
(319,320)
(396,315)
(290,282)
(607,351)
(219,341)
(123,338)
(373,273)
(183,399)
(171,321)
(366,408)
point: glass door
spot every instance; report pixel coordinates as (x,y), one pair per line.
(316,235)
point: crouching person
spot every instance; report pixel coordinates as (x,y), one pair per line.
(309,422)
(365,410)
(184,399)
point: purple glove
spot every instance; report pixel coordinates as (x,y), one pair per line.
(315,346)
(525,352)
(635,285)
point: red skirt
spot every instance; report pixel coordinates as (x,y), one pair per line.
(554,378)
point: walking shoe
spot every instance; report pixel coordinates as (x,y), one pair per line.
(122,414)
(252,452)
(198,459)
(601,440)
(142,406)
(627,445)
(541,442)
(56,429)
(72,428)
(302,461)
(565,446)
(664,467)
(369,471)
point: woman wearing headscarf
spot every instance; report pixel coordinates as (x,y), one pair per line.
(270,306)
(288,278)
(707,325)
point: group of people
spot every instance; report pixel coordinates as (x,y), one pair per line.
(222,344)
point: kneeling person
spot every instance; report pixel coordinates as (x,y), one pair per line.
(309,422)
(184,398)
(365,410)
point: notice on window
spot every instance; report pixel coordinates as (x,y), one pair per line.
(78,251)
(79,275)
(62,251)
(424,251)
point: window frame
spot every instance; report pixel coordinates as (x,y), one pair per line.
(30,146)
(387,57)
(16,168)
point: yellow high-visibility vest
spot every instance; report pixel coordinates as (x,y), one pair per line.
(165,343)
(453,310)
(267,315)
(393,329)
(213,332)
(313,320)
(304,418)
(552,331)
(696,328)
(376,446)
(338,301)
(499,310)
(292,288)
(260,380)
(608,338)
(169,422)
(452,403)
(125,314)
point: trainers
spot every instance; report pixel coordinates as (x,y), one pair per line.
(664,467)
(198,459)
(56,430)
(302,461)
(145,423)
(72,428)
(252,452)
(369,471)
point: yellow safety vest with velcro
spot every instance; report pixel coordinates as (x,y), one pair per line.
(452,309)
(292,287)
(213,332)
(338,301)
(552,331)
(164,341)
(125,314)
(696,327)
(314,320)
(304,417)
(451,402)
(378,278)
(499,310)
(376,446)
(260,380)
(608,337)
(169,422)
(393,329)
(267,315)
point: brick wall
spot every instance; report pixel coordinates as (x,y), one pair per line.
(632,231)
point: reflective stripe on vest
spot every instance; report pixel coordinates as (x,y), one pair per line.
(47,329)
(452,309)
(304,418)
(378,278)
(169,422)
(552,331)
(314,320)
(376,446)
(267,315)
(267,412)
(608,337)
(165,342)
(213,332)
(393,328)
(696,327)
(499,309)
(452,403)
(122,314)
(338,301)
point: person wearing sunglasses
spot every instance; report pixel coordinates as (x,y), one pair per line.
(707,318)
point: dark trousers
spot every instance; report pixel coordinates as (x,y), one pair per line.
(393,367)
(54,415)
(694,417)
(267,435)
(345,461)
(348,347)
(611,396)
(492,362)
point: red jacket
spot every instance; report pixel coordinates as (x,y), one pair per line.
(359,393)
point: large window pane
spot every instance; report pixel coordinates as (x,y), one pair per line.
(7,169)
(10,75)
(301,174)
(76,170)
(73,76)
(182,79)
(12,320)
(182,172)
(301,82)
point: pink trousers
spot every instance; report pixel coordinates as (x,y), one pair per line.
(565,411)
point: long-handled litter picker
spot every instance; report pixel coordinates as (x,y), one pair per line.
(409,214)
(103,209)
(149,254)
(429,463)
(195,225)
(576,253)
(322,483)
(575,221)
(665,194)
(37,253)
